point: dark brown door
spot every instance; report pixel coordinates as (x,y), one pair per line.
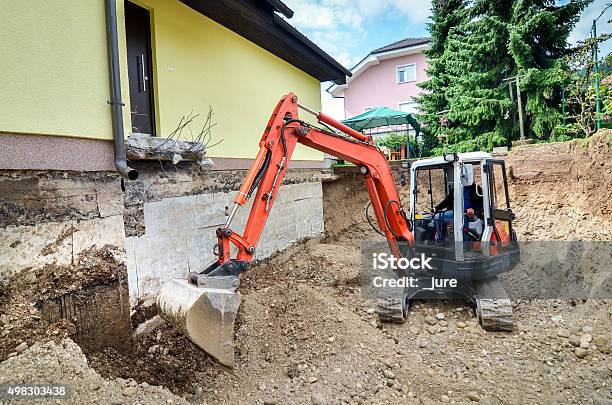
(138,39)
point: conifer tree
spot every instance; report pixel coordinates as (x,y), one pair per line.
(478,47)
(477,60)
(446,14)
(537,42)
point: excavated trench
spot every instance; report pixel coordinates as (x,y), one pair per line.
(306,334)
(88,302)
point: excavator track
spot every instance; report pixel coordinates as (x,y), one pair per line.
(493,307)
(392,309)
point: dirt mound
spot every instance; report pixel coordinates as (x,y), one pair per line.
(164,357)
(306,334)
(344,201)
(299,341)
(563,191)
(64,363)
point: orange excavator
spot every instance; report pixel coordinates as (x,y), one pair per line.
(204,305)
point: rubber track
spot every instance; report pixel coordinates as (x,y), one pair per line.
(390,310)
(493,307)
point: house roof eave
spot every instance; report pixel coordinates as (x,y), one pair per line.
(281,7)
(337,90)
(312,46)
(258,22)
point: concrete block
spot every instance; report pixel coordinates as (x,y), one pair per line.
(500,150)
(170,214)
(314,189)
(110,202)
(293,192)
(210,210)
(200,244)
(287,193)
(309,217)
(97,233)
(180,232)
(132,268)
(155,260)
(33,246)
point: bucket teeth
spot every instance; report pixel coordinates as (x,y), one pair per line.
(206,315)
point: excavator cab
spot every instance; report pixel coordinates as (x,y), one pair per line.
(462,220)
(471,217)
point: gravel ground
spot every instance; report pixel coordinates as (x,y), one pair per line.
(306,334)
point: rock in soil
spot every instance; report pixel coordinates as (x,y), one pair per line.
(21,347)
(574,340)
(581,353)
(430,320)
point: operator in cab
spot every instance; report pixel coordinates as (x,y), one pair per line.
(472,201)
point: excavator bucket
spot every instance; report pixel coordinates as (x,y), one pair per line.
(204,313)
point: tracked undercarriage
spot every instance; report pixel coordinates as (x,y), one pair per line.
(491,303)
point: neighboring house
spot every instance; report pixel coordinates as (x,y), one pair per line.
(73,87)
(386,77)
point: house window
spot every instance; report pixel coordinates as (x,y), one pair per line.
(406,73)
(408,106)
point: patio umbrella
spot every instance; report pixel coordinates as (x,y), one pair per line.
(381,117)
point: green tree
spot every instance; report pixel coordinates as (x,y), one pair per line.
(494,40)
(446,14)
(538,34)
(580,97)
(393,140)
(478,61)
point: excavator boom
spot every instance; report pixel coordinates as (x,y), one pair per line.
(204,306)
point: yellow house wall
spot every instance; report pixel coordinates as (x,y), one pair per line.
(55,75)
(199,63)
(54,70)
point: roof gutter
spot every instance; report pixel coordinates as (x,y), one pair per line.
(115,90)
(281,7)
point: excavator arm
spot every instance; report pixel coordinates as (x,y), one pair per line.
(205,305)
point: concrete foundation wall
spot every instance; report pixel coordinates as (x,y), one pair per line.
(49,219)
(161,226)
(180,232)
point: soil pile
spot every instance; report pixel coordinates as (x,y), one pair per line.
(563,191)
(64,363)
(303,337)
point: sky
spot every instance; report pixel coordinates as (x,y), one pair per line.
(349,29)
